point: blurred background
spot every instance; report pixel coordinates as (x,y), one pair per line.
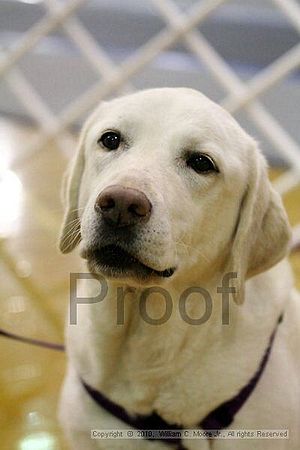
(58,59)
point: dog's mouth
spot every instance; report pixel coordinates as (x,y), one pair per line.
(115,262)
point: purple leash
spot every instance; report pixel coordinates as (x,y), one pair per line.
(32,341)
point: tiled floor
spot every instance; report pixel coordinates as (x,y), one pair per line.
(34,290)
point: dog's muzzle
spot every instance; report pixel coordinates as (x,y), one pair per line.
(121,213)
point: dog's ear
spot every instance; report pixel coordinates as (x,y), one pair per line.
(70,231)
(262,232)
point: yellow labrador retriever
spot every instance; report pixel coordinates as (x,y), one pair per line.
(193,323)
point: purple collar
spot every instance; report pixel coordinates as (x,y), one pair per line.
(219,418)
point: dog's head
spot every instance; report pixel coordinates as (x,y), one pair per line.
(164,184)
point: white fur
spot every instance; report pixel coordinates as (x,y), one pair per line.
(205,226)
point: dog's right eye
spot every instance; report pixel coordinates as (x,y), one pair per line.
(110,140)
(201,163)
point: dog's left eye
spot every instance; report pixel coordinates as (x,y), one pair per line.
(110,140)
(201,163)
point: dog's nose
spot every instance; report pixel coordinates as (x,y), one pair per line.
(121,206)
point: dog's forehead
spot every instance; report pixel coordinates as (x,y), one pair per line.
(163,98)
(163,107)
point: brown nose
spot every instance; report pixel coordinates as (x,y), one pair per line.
(121,206)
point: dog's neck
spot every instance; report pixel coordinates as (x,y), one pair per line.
(117,351)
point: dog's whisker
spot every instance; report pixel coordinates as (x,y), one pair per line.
(73,221)
(73,229)
(77,209)
(75,237)
(72,238)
